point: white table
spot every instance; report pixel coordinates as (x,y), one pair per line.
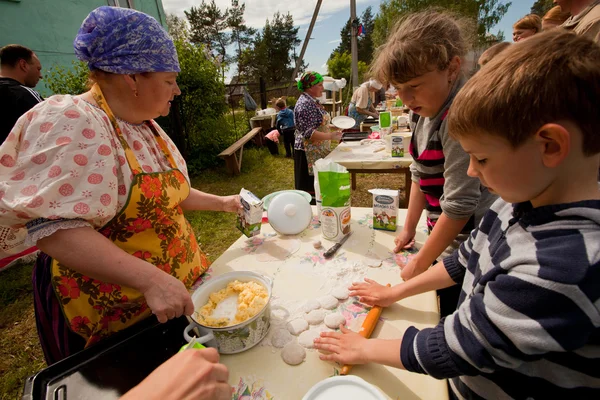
(303,275)
(360,158)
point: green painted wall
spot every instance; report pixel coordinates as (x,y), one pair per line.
(48,27)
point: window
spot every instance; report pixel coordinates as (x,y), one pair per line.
(121,3)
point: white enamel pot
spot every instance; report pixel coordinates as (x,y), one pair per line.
(236,338)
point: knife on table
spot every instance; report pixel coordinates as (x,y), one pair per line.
(329,253)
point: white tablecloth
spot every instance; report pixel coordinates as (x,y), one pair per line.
(304,275)
(353,155)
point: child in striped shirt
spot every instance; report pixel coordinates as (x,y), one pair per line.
(527,324)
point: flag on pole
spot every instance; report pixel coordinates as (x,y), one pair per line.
(361,30)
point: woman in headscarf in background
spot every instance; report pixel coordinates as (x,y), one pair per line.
(313,132)
(102,189)
(361,106)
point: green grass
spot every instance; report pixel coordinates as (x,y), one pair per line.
(262,173)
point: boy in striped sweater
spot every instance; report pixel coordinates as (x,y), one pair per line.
(527,324)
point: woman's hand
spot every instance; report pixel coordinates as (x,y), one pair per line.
(167,296)
(372,293)
(232,203)
(336,135)
(345,348)
(405,240)
(191,374)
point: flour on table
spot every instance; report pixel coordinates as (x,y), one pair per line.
(277,249)
(315,317)
(307,338)
(340,293)
(334,320)
(328,302)
(297,326)
(373,262)
(281,337)
(293,354)
(311,305)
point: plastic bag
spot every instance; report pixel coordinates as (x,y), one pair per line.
(249,102)
(334,187)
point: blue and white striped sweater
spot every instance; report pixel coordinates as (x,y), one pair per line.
(528,321)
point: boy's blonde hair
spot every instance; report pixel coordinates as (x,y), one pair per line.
(280,103)
(556,15)
(530,21)
(492,52)
(550,77)
(421,43)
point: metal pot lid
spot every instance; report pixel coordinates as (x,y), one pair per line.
(289,213)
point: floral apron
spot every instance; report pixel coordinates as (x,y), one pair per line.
(320,149)
(152,227)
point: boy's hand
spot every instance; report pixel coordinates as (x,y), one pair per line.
(345,348)
(412,269)
(405,240)
(372,293)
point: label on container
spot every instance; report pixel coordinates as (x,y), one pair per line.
(397,146)
(335,222)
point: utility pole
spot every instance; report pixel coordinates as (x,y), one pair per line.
(353,44)
(308,33)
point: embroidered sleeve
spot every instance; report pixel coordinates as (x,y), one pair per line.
(61,163)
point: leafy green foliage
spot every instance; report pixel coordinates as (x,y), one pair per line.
(64,80)
(541,7)
(241,35)
(487,13)
(203,132)
(270,55)
(177,27)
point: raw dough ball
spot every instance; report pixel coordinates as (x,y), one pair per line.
(317,244)
(328,302)
(315,317)
(281,337)
(334,320)
(373,262)
(293,354)
(310,305)
(306,339)
(297,326)
(340,293)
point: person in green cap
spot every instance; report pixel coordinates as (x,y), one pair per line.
(313,134)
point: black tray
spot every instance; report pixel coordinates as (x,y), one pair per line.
(112,367)
(354,136)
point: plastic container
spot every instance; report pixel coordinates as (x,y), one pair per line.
(385,119)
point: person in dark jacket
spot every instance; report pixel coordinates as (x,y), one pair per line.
(20,71)
(285,125)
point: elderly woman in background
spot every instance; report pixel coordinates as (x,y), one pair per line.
(361,105)
(313,132)
(526,27)
(554,18)
(101,190)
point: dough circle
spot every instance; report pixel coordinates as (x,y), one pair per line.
(297,326)
(293,354)
(328,302)
(281,337)
(315,317)
(306,339)
(310,305)
(340,293)
(334,320)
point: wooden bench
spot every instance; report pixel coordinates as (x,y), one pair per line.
(233,154)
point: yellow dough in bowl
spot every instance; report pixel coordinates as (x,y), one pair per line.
(251,298)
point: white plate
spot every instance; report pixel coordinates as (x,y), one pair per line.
(343,387)
(343,122)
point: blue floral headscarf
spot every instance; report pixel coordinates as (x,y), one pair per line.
(125,41)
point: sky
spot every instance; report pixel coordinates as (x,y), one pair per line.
(332,17)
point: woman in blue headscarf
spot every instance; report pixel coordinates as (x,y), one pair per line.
(101,190)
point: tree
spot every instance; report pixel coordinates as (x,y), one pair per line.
(63,80)
(365,43)
(541,7)
(270,54)
(208,27)
(487,13)
(178,28)
(241,35)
